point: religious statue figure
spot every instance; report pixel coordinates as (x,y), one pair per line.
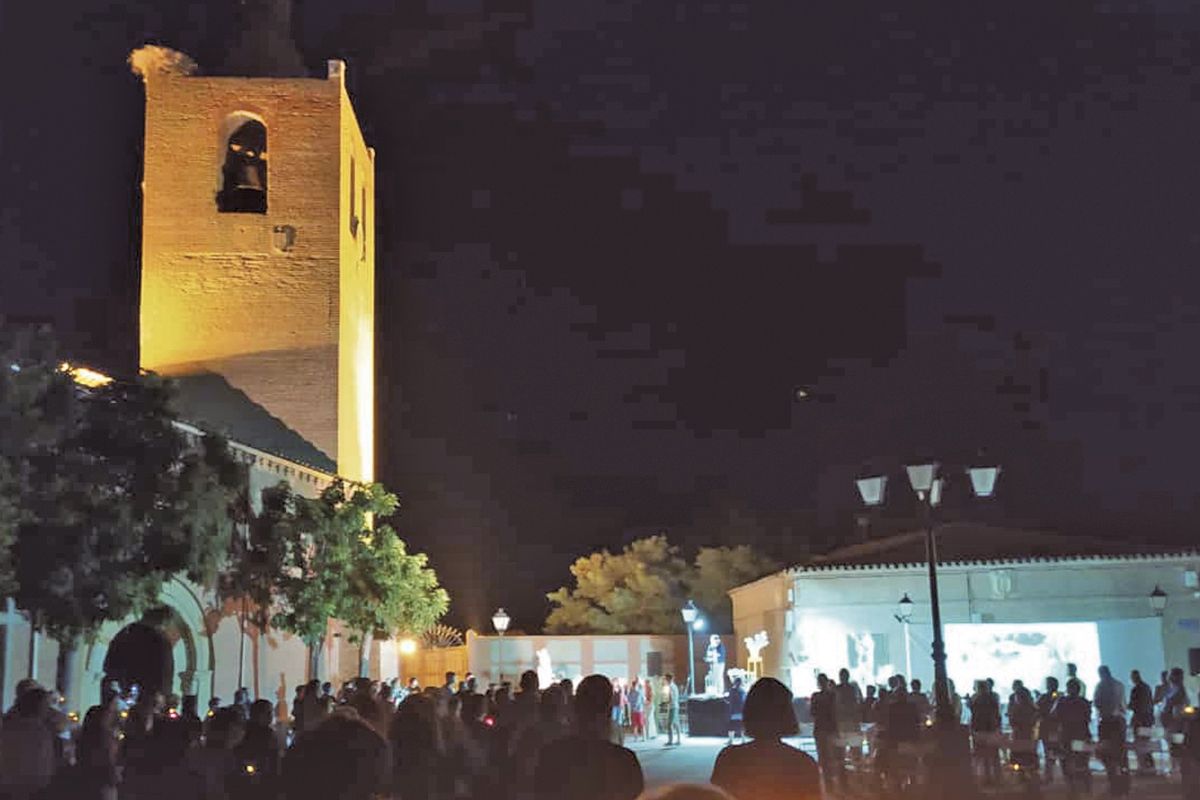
(545,672)
(714,656)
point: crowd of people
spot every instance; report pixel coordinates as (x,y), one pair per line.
(889,731)
(371,740)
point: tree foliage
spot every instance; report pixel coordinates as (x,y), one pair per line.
(334,562)
(112,500)
(642,588)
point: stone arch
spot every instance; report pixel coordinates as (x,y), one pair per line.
(179,614)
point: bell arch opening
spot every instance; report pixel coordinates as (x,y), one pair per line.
(244,165)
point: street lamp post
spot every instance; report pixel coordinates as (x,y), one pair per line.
(928,487)
(689,613)
(904,612)
(500,622)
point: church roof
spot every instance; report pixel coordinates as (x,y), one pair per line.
(964,544)
(208,401)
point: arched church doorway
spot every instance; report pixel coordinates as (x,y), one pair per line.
(141,654)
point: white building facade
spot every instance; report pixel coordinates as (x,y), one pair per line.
(1004,618)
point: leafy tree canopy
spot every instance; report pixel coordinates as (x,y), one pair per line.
(642,588)
(112,501)
(335,563)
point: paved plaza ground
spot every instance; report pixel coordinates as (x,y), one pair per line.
(692,762)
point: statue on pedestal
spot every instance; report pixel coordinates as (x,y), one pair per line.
(714,656)
(754,646)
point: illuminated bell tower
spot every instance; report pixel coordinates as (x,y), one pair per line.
(257,247)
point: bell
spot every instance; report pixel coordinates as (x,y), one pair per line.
(249,177)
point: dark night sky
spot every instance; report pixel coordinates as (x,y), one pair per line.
(615,236)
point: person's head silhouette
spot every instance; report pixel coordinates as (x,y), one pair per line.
(768,713)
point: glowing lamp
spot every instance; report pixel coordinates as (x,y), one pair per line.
(983,480)
(904,609)
(124,715)
(921,476)
(500,621)
(871,489)
(211,713)
(408,646)
(251,769)
(689,612)
(699,624)
(1158,600)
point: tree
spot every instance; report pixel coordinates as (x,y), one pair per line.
(117,506)
(638,590)
(642,588)
(335,564)
(392,591)
(112,501)
(717,570)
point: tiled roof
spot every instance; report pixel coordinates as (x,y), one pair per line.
(208,401)
(965,545)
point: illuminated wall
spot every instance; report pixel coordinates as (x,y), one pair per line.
(1002,620)
(281,304)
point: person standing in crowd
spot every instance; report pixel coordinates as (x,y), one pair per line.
(1073,716)
(1160,691)
(1073,674)
(342,759)
(1109,700)
(585,765)
(27,745)
(920,701)
(985,728)
(1175,701)
(767,768)
(1022,719)
(1048,727)
(870,700)
(736,701)
(1141,709)
(823,710)
(651,707)
(636,698)
(671,698)
(849,713)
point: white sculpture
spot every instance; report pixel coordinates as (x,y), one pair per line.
(755,645)
(545,672)
(714,656)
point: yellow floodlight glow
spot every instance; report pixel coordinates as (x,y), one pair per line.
(408,646)
(85,377)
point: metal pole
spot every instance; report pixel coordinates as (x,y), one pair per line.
(945,714)
(691,663)
(907,653)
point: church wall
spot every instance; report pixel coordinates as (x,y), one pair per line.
(356,343)
(218,292)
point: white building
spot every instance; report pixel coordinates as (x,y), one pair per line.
(1014,604)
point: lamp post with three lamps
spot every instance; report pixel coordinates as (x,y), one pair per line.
(928,486)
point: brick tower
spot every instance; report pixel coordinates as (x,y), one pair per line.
(257,252)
